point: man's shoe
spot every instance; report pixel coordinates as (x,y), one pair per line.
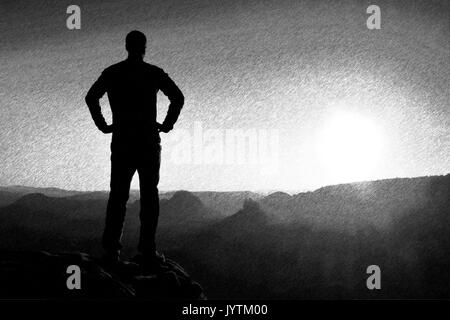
(152,263)
(111,260)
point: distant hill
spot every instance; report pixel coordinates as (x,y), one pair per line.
(247,219)
(193,210)
(50,223)
(355,205)
(11,193)
(225,203)
(8,197)
(39,222)
(52,192)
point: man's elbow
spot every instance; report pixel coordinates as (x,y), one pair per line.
(89,99)
(179,99)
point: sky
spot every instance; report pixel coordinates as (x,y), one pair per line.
(329,100)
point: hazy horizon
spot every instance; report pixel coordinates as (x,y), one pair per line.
(263,192)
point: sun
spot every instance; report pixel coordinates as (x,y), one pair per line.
(349,148)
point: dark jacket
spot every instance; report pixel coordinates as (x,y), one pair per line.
(132,88)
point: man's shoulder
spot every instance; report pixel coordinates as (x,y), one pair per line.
(146,71)
(123,65)
(115,67)
(153,68)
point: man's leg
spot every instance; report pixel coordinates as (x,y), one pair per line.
(148,171)
(122,171)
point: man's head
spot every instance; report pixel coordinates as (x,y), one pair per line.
(135,43)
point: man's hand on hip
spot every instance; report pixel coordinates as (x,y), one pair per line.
(164,127)
(107,128)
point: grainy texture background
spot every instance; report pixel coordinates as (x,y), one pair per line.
(241,64)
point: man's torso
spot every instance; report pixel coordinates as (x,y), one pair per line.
(132,89)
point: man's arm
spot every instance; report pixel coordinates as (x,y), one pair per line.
(92,99)
(176,98)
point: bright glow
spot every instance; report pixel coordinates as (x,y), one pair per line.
(349,148)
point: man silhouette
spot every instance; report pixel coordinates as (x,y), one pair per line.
(132,86)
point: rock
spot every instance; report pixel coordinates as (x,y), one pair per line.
(42,275)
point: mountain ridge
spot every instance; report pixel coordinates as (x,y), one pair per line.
(309,245)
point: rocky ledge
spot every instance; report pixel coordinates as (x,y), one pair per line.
(43,275)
